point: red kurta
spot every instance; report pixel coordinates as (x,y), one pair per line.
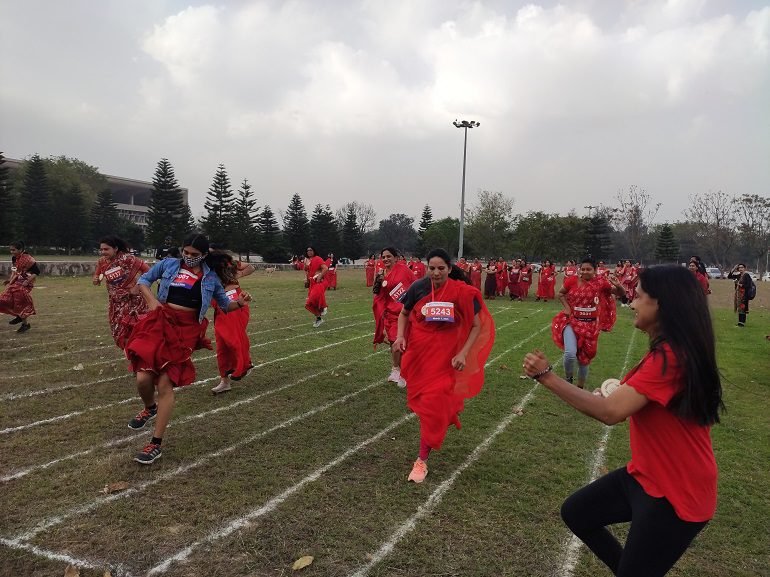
(385,305)
(16,299)
(233,346)
(593,302)
(125,308)
(316,292)
(435,390)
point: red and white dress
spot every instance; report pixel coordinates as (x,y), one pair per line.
(386,305)
(593,311)
(124,308)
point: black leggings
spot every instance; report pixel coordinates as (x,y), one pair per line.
(656,538)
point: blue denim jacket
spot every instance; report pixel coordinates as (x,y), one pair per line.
(167,269)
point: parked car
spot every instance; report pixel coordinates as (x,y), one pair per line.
(766,277)
(753,275)
(714,272)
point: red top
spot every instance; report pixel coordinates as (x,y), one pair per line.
(670,457)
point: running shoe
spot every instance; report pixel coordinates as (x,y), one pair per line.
(149,454)
(25,326)
(142,418)
(15,321)
(419,471)
(222,387)
(401,382)
(318,322)
(323,312)
(395,374)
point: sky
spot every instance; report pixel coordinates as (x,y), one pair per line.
(340,101)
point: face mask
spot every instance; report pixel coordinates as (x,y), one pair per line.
(193,261)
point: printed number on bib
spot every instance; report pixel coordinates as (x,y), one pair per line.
(397,292)
(114,275)
(438,311)
(184,280)
(232,294)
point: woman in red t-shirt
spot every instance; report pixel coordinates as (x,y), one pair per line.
(668,490)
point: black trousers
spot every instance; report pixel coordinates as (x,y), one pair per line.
(656,538)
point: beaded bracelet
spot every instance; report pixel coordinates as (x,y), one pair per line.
(545,371)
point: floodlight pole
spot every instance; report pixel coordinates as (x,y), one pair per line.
(465,125)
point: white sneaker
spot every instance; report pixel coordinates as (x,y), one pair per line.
(323,312)
(317,323)
(222,387)
(395,374)
(401,382)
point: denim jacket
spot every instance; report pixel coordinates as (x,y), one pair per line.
(166,271)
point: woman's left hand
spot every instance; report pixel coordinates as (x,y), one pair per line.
(458,362)
(535,362)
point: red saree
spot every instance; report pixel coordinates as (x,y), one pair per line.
(233,346)
(331,274)
(526,281)
(163,342)
(124,307)
(436,392)
(385,305)
(475,275)
(16,299)
(502,278)
(546,283)
(316,292)
(514,282)
(593,310)
(369,268)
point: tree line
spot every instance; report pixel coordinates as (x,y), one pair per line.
(65,203)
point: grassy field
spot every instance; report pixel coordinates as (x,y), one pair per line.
(309,455)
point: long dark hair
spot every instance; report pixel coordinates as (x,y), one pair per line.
(115,242)
(18,245)
(222,264)
(684,322)
(455,272)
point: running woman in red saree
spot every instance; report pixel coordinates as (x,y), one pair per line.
(120,270)
(331,273)
(160,347)
(546,282)
(16,299)
(389,289)
(230,329)
(315,270)
(445,333)
(588,309)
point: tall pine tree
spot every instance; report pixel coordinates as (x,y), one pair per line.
(323,230)
(35,204)
(244,235)
(69,207)
(218,220)
(271,243)
(166,215)
(425,221)
(666,245)
(296,226)
(598,242)
(104,215)
(7,206)
(352,238)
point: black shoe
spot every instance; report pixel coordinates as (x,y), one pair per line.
(142,418)
(569,379)
(25,326)
(149,454)
(16,321)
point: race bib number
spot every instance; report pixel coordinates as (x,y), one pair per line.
(184,280)
(397,292)
(585,312)
(114,275)
(232,294)
(440,312)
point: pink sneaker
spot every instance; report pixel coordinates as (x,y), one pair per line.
(419,471)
